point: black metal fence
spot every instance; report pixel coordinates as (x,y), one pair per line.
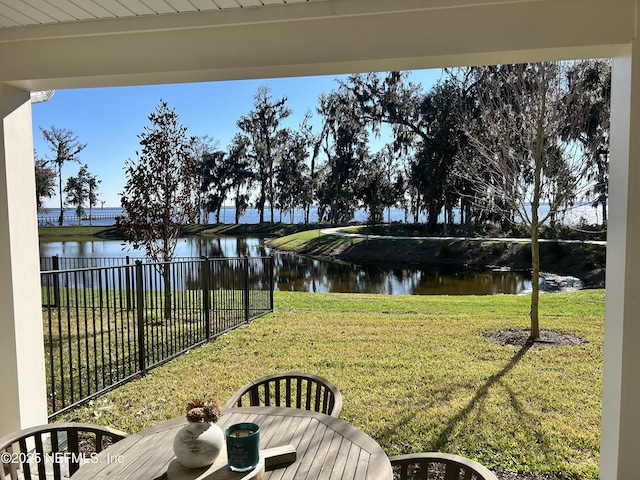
(106,325)
(68,263)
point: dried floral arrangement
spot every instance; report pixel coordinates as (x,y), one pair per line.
(201,411)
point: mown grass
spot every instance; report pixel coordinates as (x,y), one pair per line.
(85,232)
(417,373)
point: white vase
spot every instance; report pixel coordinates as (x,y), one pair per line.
(198,444)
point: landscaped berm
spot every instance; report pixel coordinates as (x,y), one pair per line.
(417,373)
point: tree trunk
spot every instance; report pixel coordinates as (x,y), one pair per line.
(467,217)
(445,218)
(535,224)
(61,218)
(535,282)
(90,206)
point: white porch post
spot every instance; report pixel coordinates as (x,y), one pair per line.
(620,439)
(22,384)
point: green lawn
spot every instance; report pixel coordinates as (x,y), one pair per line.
(416,373)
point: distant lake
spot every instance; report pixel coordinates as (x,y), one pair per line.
(305,274)
(576,215)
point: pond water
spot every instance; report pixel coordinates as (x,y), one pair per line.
(300,273)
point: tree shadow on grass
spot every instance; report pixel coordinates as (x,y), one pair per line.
(443,438)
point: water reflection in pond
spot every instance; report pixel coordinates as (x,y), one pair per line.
(298,273)
(295,273)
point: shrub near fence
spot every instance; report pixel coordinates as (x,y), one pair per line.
(106,325)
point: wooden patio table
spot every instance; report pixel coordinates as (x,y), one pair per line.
(326,447)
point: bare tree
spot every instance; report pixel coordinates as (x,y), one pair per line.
(516,127)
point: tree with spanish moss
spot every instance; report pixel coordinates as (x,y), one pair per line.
(79,189)
(263,138)
(376,184)
(293,179)
(213,170)
(204,147)
(66,148)
(425,124)
(240,174)
(594,99)
(345,145)
(45,182)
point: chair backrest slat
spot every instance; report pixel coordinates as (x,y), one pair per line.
(291,389)
(99,442)
(23,460)
(74,446)
(55,448)
(453,471)
(312,391)
(267,395)
(298,394)
(41,451)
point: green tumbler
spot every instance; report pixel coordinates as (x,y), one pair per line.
(243,446)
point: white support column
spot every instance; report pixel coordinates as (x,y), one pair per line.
(22,381)
(620,439)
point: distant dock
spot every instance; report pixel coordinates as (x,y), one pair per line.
(97,220)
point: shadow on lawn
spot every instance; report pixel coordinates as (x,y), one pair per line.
(441,440)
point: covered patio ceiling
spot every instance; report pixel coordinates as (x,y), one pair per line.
(58,44)
(20,13)
(278,38)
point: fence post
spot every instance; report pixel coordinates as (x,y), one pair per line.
(272,281)
(246,289)
(127,280)
(206,296)
(142,364)
(55,265)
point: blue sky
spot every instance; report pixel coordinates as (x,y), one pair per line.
(108,120)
